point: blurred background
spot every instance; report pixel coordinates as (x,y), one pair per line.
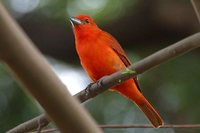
(142,27)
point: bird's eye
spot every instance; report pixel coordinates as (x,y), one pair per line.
(86,21)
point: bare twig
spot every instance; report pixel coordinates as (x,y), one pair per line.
(149,126)
(40,121)
(109,126)
(47,130)
(196,6)
(29,67)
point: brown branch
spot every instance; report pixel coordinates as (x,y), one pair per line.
(186,126)
(30,69)
(196,6)
(149,126)
(148,63)
(38,122)
(47,130)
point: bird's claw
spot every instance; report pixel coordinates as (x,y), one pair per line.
(87,90)
(99,84)
(100,81)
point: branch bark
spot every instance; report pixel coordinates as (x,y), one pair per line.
(36,123)
(115,126)
(29,67)
(149,126)
(196,6)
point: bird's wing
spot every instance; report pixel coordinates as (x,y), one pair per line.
(114,44)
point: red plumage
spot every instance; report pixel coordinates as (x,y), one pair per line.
(101,54)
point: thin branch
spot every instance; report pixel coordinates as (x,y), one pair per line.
(40,121)
(196,6)
(31,70)
(149,126)
(148,63)
(109,126)
(47,130)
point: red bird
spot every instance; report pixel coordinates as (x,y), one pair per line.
(101,54)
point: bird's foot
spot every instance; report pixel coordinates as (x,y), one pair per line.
(99,83)
(87,89)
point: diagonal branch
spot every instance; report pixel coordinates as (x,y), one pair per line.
(39,122)
(29,68)
(150,62)
(196,6)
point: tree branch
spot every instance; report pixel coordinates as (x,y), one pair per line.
(196,6)
(114,126)
(38,122)
(30,69)
(149,126)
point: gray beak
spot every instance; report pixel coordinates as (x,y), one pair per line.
(75,21)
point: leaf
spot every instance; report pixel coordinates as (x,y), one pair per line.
(128,71)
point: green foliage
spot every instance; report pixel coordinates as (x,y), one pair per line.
(128,71)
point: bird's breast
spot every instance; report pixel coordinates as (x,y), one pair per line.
(98,59)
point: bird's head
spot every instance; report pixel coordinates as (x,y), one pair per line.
(84,27)
(82,21)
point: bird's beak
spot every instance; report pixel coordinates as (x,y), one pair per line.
(75,21)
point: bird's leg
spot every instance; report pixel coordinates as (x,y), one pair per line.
(89,91)
(100,81)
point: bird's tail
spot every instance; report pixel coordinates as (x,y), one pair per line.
(131,91)
(150,112)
